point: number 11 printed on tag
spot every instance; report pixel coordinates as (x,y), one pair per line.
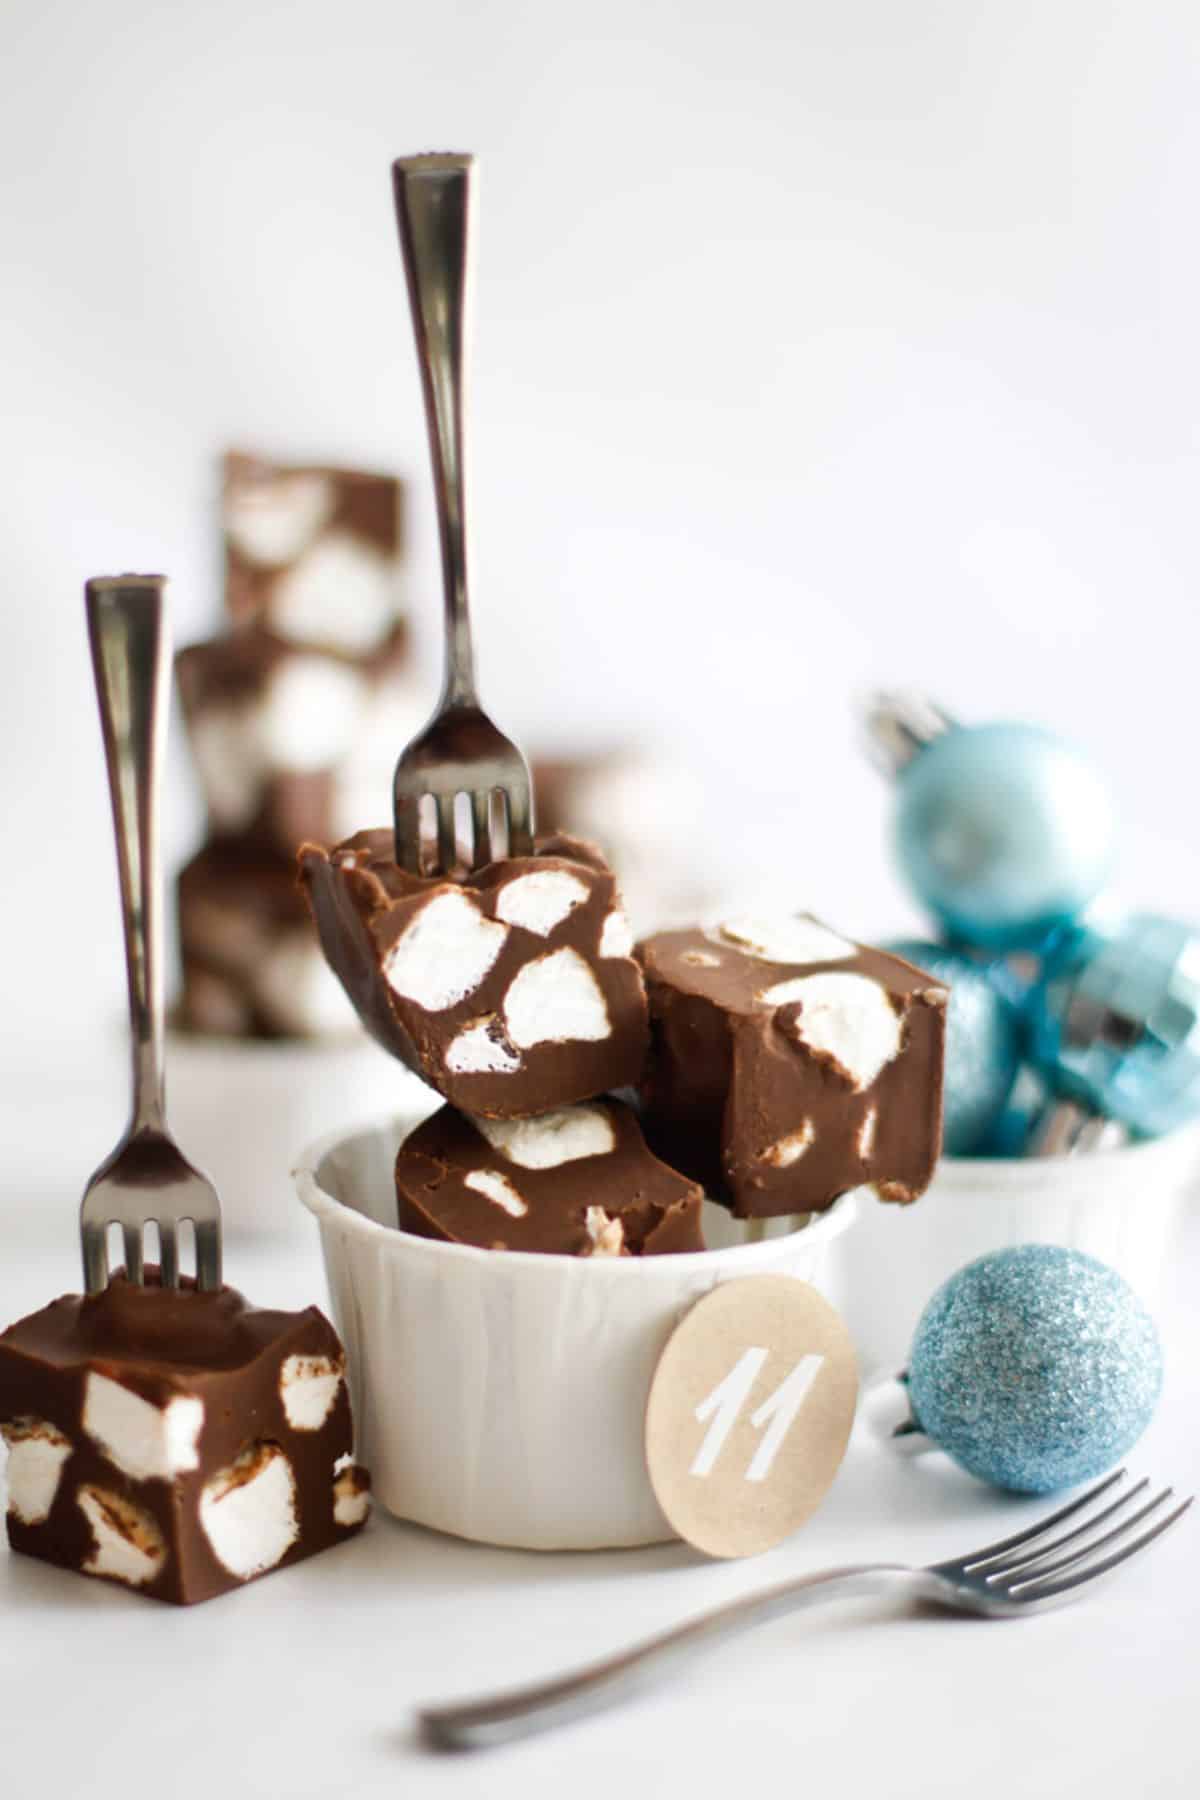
(729,1396)
(749,1413)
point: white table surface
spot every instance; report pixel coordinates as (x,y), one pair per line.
(304,1684)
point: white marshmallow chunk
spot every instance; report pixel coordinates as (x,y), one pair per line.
(343,593)
(310,713)
(540,901)
(848,1018)
(790,1149)
(866,1135)
(607,1234)
(270,522)
(308,1387)
(298,991)
(616,938)
(480,1049)
(248,1511)
(128,1543)
(144,1441)
(351,1498)
(225,745)
(784,940)
(445,952)
(499,1189)
(555,1000)
(567,1135)
(37,1451)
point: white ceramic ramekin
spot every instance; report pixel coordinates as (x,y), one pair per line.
(1124,1206)
(500,1395)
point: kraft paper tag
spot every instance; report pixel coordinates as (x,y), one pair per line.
(749,1414)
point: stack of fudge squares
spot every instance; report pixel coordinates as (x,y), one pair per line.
(596,1091)
(293,714)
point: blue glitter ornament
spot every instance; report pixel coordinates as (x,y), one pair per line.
(1115,1020)
(1035,1368)
(983,1044)
(1005,832)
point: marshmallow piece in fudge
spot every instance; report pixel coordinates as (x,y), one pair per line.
(579,1181)
(177,1442)
(313,553)
(511,992)
(789,1064)
(252,966)
(279,732)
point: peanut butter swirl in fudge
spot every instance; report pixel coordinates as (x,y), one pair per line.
(510,992)
(175,1441)
(579,1181)
(789,1065)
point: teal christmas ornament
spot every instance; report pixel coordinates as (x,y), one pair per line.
(1022,1113)
(983,1044)
(1004,832)
(1115,1020)
(1035,1368)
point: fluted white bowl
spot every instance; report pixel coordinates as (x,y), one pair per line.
(500,1395)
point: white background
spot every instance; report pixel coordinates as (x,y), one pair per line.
(818,346)
(821,344)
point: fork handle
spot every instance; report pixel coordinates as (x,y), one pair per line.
(130,645)
(475,1724)
(433,212)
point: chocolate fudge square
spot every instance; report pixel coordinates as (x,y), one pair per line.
(789,1065)
(511,992)
(312,551)
(277,730)
(251,963)
(180,1443)
(576,1182)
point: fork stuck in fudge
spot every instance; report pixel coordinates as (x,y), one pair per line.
(511,991)
(178,1442)
(785,1064)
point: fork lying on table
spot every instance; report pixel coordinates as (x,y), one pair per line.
(460,751)
(1021,1574)
(146,1179)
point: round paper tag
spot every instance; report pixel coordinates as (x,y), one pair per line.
(749,1413)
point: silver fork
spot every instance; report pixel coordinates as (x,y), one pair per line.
(1021,1574)
(460,751)
(146,1179)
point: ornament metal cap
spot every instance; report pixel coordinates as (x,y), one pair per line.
(898,725)
(887,1409)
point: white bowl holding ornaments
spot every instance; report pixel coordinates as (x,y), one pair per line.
(1005,835)
(1123,1202)
(501,1395)
(1124,1206)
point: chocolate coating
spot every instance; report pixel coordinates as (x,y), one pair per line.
(212,1351)
(780,1107)
(550,1007)
(616,1200)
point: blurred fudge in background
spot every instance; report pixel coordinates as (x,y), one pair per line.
(295,713)
(645,810)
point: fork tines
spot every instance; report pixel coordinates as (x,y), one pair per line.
(1028,1567)
(467,758)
